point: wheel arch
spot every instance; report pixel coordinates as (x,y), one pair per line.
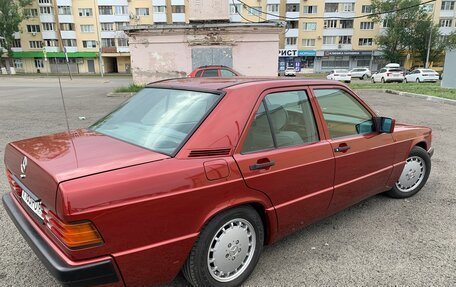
(422,144)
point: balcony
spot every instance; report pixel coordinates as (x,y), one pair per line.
(108,34)
(47,18)
(340,1)
(291,14)
(447,13)
(66,19)
(17,35)
(71,49)
(114,18)
(270,17)
(339,14)
(159,3)
(177,2)
(112,2)
(123,49)
(68,34)
(17,49)
(49,34)
(52,49)
(292,33)
(337,47)
(337,32)
(446,30)
(64,2)
(159,17)
(178,17)
(235,18)
(274,1)
(109,49)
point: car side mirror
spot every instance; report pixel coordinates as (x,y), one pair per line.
(385,125)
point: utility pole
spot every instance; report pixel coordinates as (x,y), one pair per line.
(97,19)
(430,38)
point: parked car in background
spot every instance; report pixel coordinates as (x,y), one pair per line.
(290,72)
(213,71)
(388,75)
(339,75)
(197,175)
(361,73)
(422,75)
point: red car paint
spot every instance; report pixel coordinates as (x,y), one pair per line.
(149,208)
(204,71)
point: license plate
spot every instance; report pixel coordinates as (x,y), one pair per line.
(34,205)
(396,75)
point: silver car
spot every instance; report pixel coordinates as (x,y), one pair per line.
(361,73)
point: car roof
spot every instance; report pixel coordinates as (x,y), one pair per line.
(213,66)
(219,84)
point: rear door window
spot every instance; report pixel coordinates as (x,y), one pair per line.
(210,73)
(198,74)
(226,73)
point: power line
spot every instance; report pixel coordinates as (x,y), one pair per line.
(323,17)
(240,14)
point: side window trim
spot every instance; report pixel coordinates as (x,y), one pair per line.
(271,124)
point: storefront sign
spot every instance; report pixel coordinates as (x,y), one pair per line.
(348,53)
(307,53)
(296,53)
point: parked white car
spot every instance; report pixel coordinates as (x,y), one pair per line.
(422,75)
(387,75)
(290,72)
(339,75)
(361,73)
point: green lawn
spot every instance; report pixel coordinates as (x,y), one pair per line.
(430,89)
(132,88)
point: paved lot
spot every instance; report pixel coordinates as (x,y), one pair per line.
(380,241)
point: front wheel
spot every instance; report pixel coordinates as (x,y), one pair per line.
(227,249)
(364,77)
(373,80)
(406,80)
(414,176)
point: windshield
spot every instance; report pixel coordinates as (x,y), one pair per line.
(158,119)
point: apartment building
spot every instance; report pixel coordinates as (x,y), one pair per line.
(321,34)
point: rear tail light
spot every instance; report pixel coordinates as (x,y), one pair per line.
(335,75)
(349,75)
(14,185)
(73,235)
(388,74)
(402,73)
(425,75)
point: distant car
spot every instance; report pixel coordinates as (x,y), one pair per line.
(422,75)
(361,73)
(339,75)
(387,75)
(213,71)
(290,72)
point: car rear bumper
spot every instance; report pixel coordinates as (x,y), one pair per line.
(67,272)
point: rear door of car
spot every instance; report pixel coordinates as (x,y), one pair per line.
(364,157)
(283,154)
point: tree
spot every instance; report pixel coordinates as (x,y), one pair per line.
(400,25)
(11,16)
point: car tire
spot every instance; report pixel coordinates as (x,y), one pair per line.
(238,233)
(418,80)
(373,80)
(364,77)
(414,176)
(405,80)
(383,80)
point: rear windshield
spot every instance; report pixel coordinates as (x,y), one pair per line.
(395,70)
(158,119)
(429,71)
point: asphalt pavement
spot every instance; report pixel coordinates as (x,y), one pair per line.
(380,241)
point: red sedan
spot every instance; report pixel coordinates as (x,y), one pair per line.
(213,71)
(199,174)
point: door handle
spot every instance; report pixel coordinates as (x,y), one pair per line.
(342,148)
(261,165)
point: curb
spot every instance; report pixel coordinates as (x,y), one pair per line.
(123,95)
(412,95)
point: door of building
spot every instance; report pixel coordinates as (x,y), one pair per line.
(91,66)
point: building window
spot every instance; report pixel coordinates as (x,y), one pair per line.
(335,64)
(18,64)
(87,28)
(365,42)
(363,63)
(121,25)
(345,40)
(48,26)
(366,25)
(33,28)
(107,27)
(291,40)
(178,8)
(330,24)
(31,12)
(428,7)
(447,5)
(366,9)
(308,42)
(35,44)
(89,44)
(105,10)
(292,7)
(50,43)
(122,42)
(445,22)
(385,23)
(142,11)
(46,10)
(160,9)
(331,7)
(329,40)
(272,8)
(121,10)
(16,43)
(69,42)
(310,9)
(349,7)
(346,24)
(108,42)
(310,26)
(255,11)
(85,12)
(45,1)
(39,64)
(292,24)
(64,10)
(66,26)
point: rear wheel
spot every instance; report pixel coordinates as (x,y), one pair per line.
(227,249)
(383,80)
(406,80)
(373,80)
(418,80)
(414,176)
(364,77)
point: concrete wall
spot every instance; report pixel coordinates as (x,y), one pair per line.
(161,53)
(449,72)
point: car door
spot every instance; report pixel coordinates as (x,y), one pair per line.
(282,154)
(364,157)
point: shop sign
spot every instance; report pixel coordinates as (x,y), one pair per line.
(348,53)
(307,53)
(288,53)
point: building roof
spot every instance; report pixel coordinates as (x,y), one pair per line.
(223,83)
